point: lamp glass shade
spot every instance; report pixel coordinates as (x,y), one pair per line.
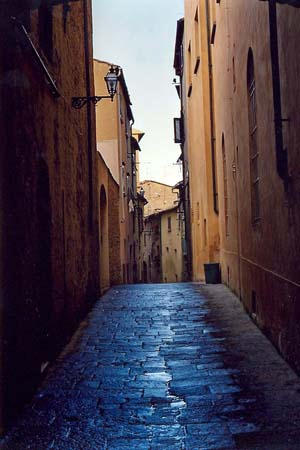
(111,80)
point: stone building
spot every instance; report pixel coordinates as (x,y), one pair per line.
(159,195)
(49,212)
(163,236)
(163,260)
(253,118)
(121,206)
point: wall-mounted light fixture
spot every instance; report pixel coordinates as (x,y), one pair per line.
(111,80)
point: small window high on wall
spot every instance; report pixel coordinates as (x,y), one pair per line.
(197,42)
(253,147)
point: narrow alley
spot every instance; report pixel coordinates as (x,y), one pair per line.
(171,366)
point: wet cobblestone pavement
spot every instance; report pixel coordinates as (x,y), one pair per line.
(165,367)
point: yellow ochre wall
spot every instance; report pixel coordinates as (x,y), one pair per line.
(204,220)
(260,259)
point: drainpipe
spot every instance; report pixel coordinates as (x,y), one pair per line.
(89,111)
(132,161)
(211,111)
(281,153)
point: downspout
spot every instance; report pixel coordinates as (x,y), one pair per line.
(133,193)
(211,111)
(120,147)
(281,153)
(186,206)
(89,111)
(132,160)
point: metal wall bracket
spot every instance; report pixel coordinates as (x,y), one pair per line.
(80,102)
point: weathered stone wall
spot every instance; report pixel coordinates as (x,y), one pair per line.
(159,196)
(48,194)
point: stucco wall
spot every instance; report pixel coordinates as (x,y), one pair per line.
(260,261)
(204,220)
(114,144)
(107,122)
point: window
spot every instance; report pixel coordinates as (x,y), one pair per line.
(253,150)
(225,186)
(213,22)
(169,224)
(45,28)
(121,109)
(233,75)
(197,42)
(189,68)
(205,233)
(178,131)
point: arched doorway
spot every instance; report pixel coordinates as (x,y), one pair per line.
(103,235)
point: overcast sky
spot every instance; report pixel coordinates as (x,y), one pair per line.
(139,35)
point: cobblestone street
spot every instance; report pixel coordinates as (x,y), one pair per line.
(169,366)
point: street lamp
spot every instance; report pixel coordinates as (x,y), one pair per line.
(111,80)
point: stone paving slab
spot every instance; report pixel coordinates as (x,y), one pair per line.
(166,366)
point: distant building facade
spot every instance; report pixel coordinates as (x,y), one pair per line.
(171,227)
(151,250)
(159,196)
(163,260)
(163,236)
